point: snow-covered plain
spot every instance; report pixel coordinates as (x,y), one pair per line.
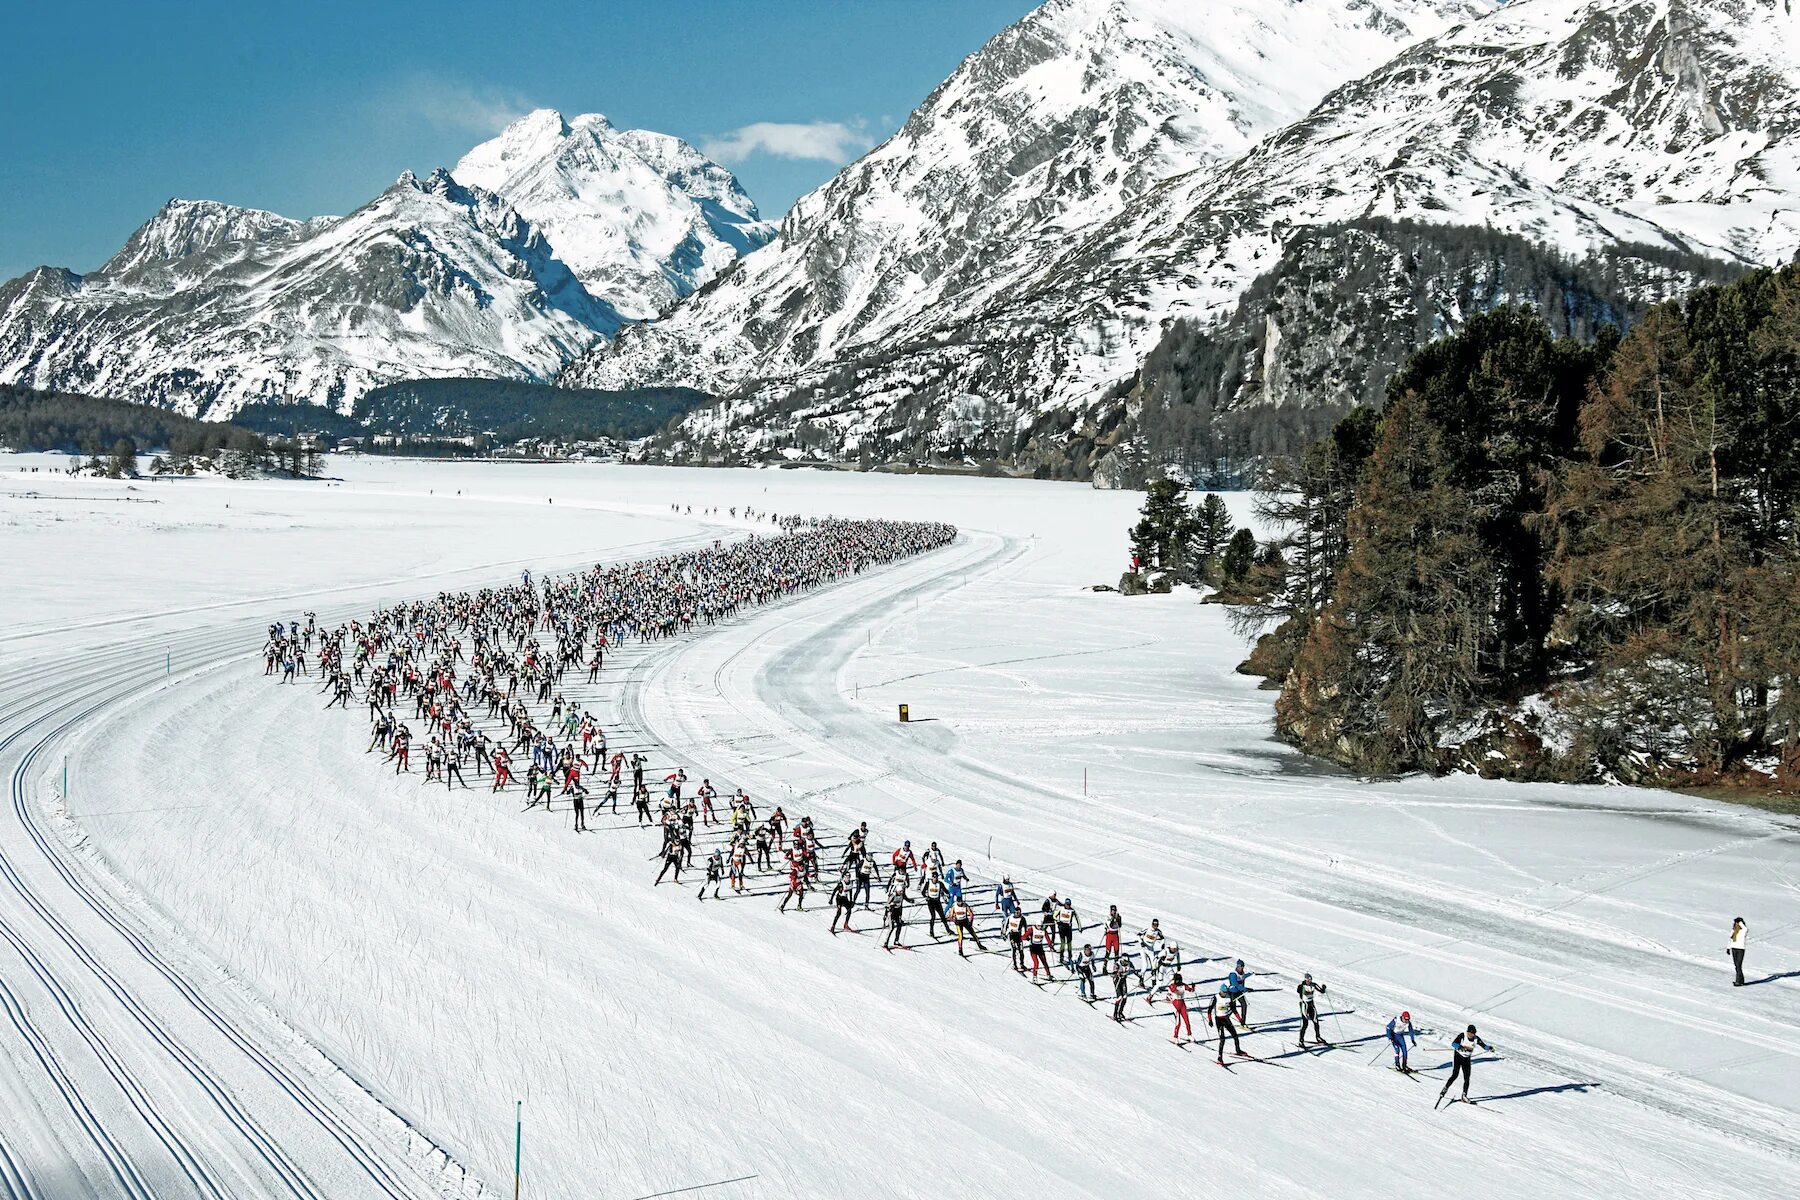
(428,958)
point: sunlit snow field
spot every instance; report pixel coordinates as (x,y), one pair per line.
(455,954)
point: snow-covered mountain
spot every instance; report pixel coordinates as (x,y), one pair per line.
(1584,124)
(429,278)
(642,218)
(1053,127)
(208,306)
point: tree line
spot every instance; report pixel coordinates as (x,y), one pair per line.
(104,436)
(1578,552)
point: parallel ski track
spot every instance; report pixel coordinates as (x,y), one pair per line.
(102,680)
(769,710)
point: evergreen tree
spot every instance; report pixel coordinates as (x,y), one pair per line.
(1674,566)
(1505,399)
(1162,527)
(1207,532)
(1240,556)
(1397,652)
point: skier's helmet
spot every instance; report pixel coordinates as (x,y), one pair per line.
(1406,1016)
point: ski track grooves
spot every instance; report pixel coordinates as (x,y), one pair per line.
(265,1146)
(52,701)
(785,699)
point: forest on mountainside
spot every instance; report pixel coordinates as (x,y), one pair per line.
(1551,557)
(1344,309)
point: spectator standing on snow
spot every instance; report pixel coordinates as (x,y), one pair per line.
(1740,933)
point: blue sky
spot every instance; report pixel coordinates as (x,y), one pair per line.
(110,107)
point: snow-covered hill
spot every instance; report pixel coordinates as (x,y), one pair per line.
(1580,123)
(1049,130)
(642,218)
(208,306)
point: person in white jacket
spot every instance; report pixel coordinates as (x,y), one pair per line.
(1740,933)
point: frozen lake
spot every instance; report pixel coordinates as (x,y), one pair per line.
(428,958)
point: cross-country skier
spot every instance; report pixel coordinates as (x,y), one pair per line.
(1462,1062)
(1035,940)
(1178,993)
(896,920)
(1168,962)
(1086,966)
(1308,992)
(1121,981)
(1113,923)
(1065,933)
(715,874)
(796,884)
(1151,940)
(1398,1030)
(963,917)
(673,853)
(843,897)
(933,891)
(1237,982)
(1015,938)
(1218,1015)
(954,880)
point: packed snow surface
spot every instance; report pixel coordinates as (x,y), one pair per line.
(419,960)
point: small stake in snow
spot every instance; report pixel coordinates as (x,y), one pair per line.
(518,1144)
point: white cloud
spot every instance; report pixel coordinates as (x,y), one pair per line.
(462,107)
(820,141)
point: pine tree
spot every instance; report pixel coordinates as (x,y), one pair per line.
(1240,556)
(1673,586)
(1163,525)
(1207,532)
(1397,653)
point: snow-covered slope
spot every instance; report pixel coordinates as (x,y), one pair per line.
(187,227)
(209,306)
(1050,129)
(429,278)
(642,218)
(1581,123)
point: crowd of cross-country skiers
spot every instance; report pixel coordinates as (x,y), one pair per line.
(500,651)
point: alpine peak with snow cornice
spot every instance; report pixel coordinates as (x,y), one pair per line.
(1050,129)
(209,306)
(642,218)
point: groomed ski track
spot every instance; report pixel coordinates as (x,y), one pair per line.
(132,1066)
(777,691)
(753,1043)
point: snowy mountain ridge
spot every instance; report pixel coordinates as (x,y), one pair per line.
(1053,127)
(210,306)
(1582,124)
